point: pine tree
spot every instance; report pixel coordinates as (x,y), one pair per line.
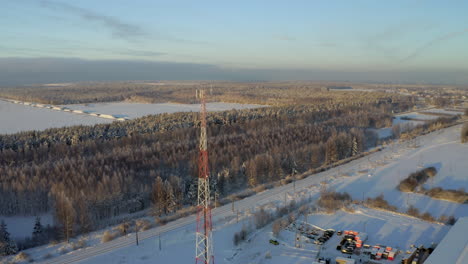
(192,192)
(169,200)
(221,183)
(213,187)
(7,246)
(38,232)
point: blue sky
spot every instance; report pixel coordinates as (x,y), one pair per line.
(341,36)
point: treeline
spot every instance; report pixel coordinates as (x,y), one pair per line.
(270,93)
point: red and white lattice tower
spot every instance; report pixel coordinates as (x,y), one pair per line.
(204,241)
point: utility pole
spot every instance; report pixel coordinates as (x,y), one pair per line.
(159,241)
(68,228)
(136,235)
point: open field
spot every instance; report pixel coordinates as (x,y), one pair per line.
(441,149)
(19,117)
(134,110)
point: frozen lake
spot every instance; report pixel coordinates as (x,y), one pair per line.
(19,117)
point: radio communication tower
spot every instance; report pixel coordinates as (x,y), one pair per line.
(204,240)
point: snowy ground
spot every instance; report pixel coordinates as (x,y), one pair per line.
(376,174)
(441,149)
(443,111)
(417,119)
(384,228)
(134,110)
(16,117)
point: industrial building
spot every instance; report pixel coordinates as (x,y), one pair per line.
(453,248)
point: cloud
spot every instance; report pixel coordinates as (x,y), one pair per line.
(118,28)
(433,42)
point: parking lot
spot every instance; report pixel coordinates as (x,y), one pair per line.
(345,244)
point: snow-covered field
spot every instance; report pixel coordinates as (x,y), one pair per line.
(134,110)
(376,174)
(410,120)
(441,149)
(19,117)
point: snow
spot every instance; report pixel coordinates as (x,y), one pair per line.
(378,173)
(383,227)
(406,125)
(441,149)
(134,110)
(18,117)
(414,115)
(453,248)
(444,111)
(22,226)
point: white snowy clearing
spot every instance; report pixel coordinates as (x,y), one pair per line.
(409,120)
(369,176)
(134,110)
(18,117)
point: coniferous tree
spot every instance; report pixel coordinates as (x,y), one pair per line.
(38,232)
(169,199)
(192,192)
(7,246)
(221,183)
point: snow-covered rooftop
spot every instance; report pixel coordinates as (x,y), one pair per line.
(453,248)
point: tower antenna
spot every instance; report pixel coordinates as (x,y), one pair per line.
(204,240)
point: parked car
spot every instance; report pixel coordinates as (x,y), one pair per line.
(347,251)
(274,242)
